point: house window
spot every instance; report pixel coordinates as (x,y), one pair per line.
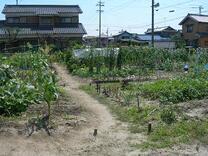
(66,20)
(23,20)
(74,19)
(125,37)
(69,20)
(13,20)
(189,28)
(46,21)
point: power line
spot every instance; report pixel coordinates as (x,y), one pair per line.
(177,4)
(147,25)
(142,26)
(118,7)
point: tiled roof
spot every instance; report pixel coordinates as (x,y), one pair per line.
(201,18)
(121,33)
(159,29)
(27,31)
(196,17)
(42,9)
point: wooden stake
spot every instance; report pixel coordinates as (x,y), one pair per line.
(138,103)
(95,132)
(97,87)
(149,128)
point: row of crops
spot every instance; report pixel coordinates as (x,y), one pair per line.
(157,107)
(177,90)
(125,61)
(25,79)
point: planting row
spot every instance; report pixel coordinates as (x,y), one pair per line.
(126,61)
(25,79)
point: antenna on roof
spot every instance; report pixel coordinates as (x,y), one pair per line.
(17,2)
(200,9)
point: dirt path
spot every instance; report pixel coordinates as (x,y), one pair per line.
(113,137)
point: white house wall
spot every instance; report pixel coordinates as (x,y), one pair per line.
(165,45)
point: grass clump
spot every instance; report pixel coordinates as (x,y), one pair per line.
(164,135)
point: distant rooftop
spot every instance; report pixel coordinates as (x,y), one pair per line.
(159,29)
(196,17)
(145,37)
(42,9)
(122,32)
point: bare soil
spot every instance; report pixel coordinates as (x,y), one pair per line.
(195,108)
(75,116)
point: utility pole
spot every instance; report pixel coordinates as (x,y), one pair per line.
(153,20)
(100,11)
(107,32)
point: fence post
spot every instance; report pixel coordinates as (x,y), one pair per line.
(98,88)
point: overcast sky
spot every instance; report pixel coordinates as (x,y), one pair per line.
(131,15)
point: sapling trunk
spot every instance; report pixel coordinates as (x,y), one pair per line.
(49,112)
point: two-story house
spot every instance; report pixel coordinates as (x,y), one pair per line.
(57,24)
(195,30)
(166,31)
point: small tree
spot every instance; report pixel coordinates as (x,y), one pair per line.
(11,34)
(180,42)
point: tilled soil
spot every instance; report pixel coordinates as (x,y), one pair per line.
(75,116)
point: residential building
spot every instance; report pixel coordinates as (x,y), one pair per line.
(57,24)
(123,36)
(144,40)
(166,31)
(94,40)
(159,42)
(195,30)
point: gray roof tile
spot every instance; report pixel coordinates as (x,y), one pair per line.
(42,9)
(195,17)
(27,31)
(203,19)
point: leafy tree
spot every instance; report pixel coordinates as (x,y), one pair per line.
(178,39)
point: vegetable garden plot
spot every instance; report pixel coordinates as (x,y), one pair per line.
(130,61)
(25,79)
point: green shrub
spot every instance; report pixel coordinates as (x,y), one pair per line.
(25,79)
(168,115)
(176,90)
